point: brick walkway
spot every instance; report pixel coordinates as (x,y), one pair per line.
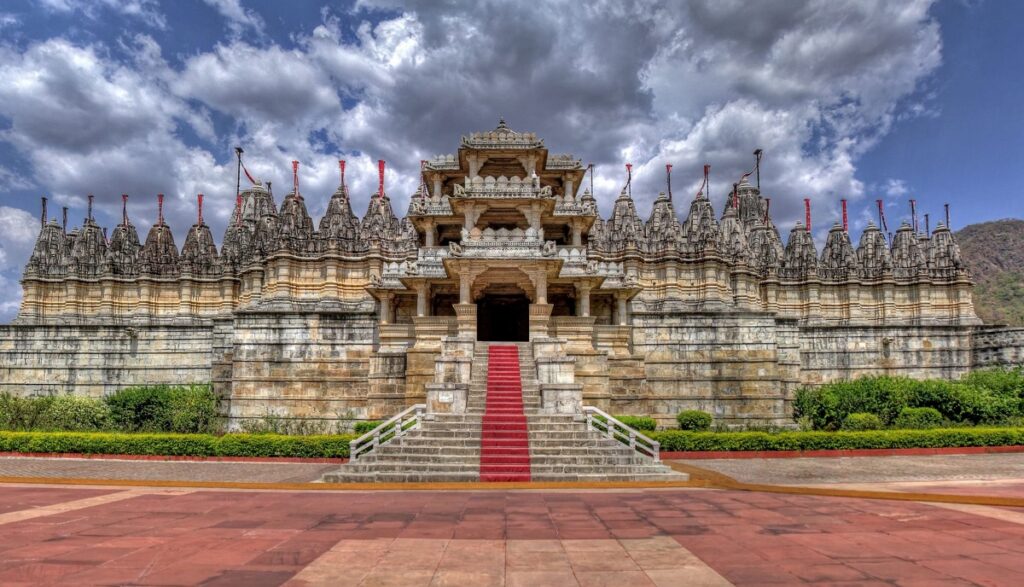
(648,537)
(163,470)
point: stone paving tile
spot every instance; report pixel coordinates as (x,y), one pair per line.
(224,471)
(668,537)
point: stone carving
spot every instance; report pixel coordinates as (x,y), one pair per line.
(733,237)
(295,227)
(339,228)
(873,258)
(908,259)
(801,259)
(199,253)
(944,260)
(624,230)
(765,250)
(662,232)
(700,229)
(49,254)
(123,251)
(159,256)
(838,261)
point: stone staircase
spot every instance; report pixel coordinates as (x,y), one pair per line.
(448,447)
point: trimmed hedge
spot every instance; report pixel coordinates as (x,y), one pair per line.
(361,428)
(206,445)
(679,440)
(641,423)
(693,420)
(919,418)
(861,421)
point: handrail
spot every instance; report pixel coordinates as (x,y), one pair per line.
(400,424)
(603,423)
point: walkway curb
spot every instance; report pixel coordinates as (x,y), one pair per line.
(836,453)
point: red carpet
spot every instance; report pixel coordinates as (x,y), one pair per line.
(504,443)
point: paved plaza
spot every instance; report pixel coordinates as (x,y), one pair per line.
(63,534)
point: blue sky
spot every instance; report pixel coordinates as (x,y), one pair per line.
(858,99)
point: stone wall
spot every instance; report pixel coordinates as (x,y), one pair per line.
(740,367)
(998,346)
(98,360)
(834,353)
(310,366)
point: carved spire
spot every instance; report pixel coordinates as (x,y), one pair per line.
(662,231)
(908,258)
(159,256)
(89,247)
(838,261)
(49,254)
(733,237)
(801,258)
(199,253)
(944,254)
(296,227)
(339,228)
(123,252)
(380,225)
(873,258)
(700,230)
(765,249)
(624,229)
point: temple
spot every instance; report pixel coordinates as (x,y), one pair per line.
(358,318)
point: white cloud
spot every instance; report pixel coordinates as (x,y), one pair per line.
(239,19)
(144,10)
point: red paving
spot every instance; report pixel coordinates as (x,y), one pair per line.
(504,442)
(265,538)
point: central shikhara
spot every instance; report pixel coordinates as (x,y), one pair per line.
(361,318)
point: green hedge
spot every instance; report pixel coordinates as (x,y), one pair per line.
(918,418)
(693,420)
(679,440)
(228,445)
(862,421)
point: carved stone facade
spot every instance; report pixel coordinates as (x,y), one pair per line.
(356,318)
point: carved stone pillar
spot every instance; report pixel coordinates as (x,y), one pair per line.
(465,317)
(583,297)
(577,233)
(385,308)
(430,234)
(422,299)
(436,194)
(622,309)
(568,188)
(540,317)
(540,283)
(465,283)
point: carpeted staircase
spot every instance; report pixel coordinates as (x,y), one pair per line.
(504,438)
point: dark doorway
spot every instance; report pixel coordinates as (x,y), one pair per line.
(503,318)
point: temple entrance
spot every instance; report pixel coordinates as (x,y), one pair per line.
(503,318)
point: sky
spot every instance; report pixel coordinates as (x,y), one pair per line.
(854,99)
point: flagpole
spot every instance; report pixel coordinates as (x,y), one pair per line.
(238,179)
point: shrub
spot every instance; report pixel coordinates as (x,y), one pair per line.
(693,420)
(998,380)
(139,409)
(363,427)
(192,409)
(164,408)
(862,421)
(678,440)
(641,423)
(918,418)
(22,413)
(83,414)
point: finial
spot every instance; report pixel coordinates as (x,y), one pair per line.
(946,206)
(105,239)
(704,185)
(668,174)
(423,179)
(380,178)
(124,209)
(64,222)
(88,215)
(736,196)
(927,225)
(757,166)
(767,206)
(238,209)
(629,179)
(913,215)
(846,227)
(295,179)
(159,208)
(341,167)
(199,207)
(43,217)
(807,213)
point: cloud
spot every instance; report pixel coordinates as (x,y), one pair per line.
(143,10)
(238,19)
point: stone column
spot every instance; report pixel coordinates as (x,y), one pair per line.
(385,308)
(422,297)
(541,284)
(568,188)
(465,283)
(577,234)
(623,309)
(430,235)
(583,299)
(437,187)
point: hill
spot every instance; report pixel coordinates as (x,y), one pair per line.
(994,252)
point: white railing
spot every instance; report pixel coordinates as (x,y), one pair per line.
(399,425)
(605,424)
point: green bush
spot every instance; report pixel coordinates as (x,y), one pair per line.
(693,420)
(862,421)
(79,414)
(678,440)
(1002,381)
(918,418)
(23,413)
(641,423)
(968,401)
(363,427)
(234,445)
(164,408)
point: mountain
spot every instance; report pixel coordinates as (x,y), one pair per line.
(994,252)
